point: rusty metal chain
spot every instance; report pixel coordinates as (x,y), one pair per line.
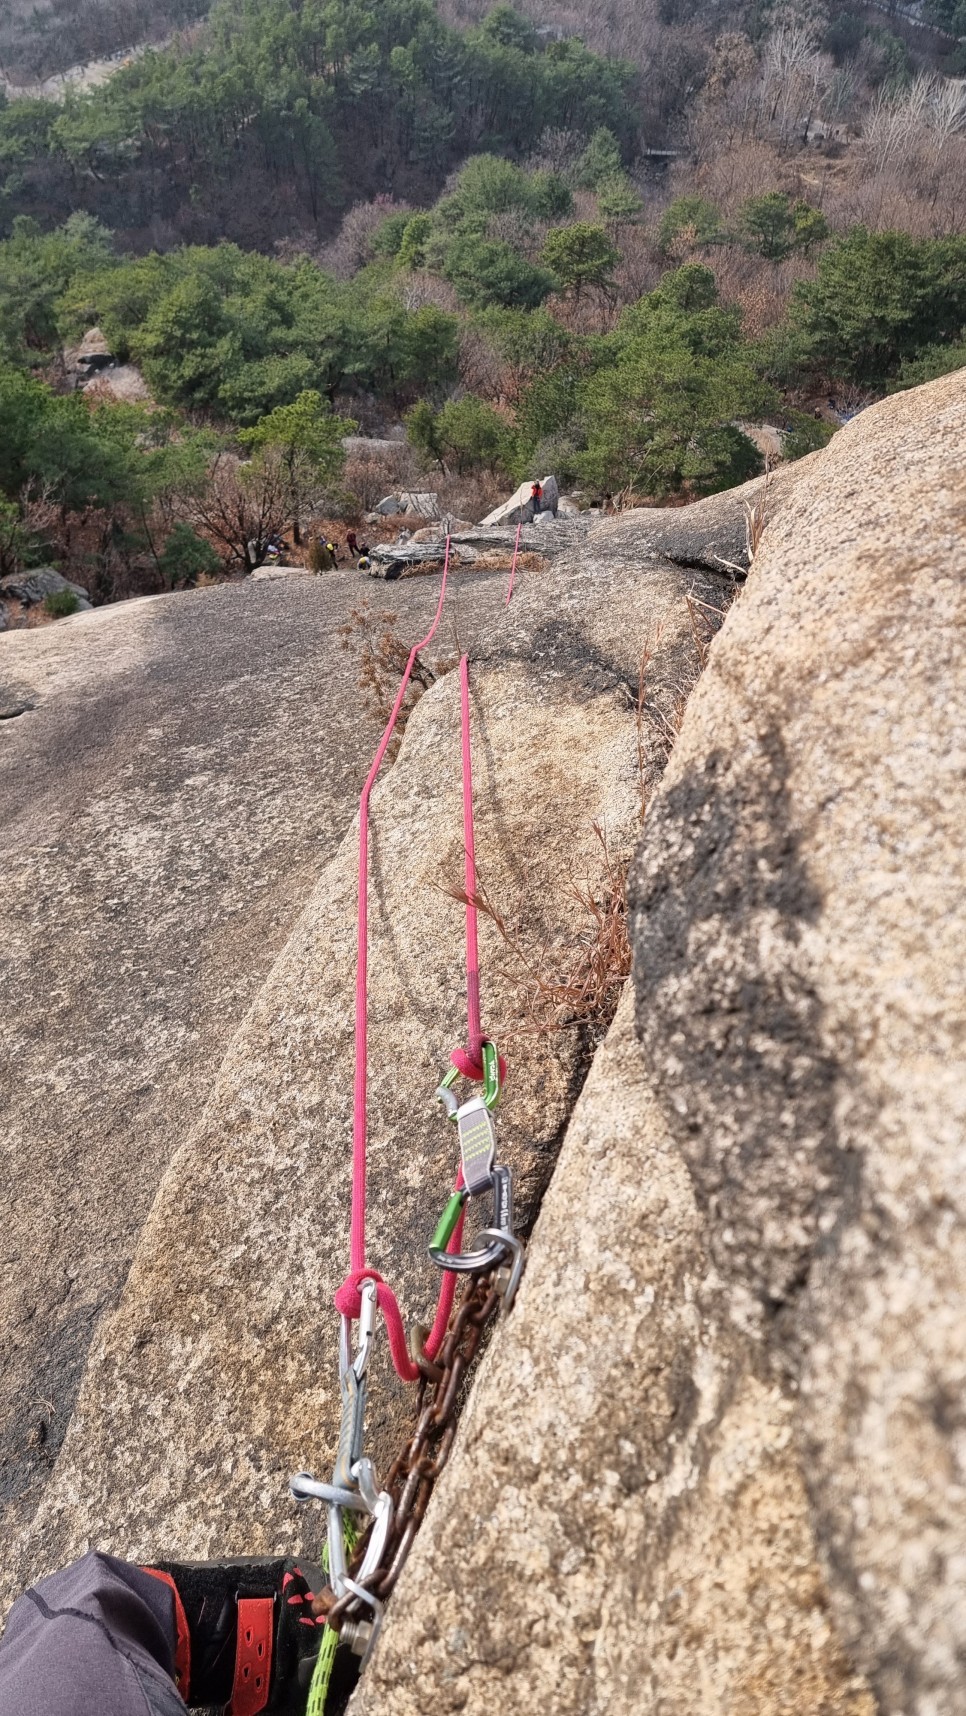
(412,1477)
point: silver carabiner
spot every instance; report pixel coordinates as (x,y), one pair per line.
(354,1487)
(494,1244)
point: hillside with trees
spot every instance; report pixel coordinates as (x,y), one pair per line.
(297,221)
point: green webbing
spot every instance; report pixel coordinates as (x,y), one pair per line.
(325,1661)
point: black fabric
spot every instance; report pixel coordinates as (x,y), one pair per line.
(208,1592)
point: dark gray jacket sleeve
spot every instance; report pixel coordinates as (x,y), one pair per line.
(95,1639)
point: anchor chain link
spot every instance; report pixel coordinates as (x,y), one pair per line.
(360,1584)
(415,1472)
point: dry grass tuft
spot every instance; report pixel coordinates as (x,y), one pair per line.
(756,518)
(573,982)
(575,985)
(493,560)
(660,709)
(383,654)
(501,559)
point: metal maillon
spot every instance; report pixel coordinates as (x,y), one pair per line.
(496,1245)
(391,1516)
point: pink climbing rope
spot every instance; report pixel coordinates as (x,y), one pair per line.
(347,1300)
(469,1061)
(513,566)
(469,878)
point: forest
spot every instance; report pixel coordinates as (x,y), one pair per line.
(299,221)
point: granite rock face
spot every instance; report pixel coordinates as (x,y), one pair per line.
(623,1527)
(714,1461)
(175,773)
(800,938)
(215,1375)
(711,1460)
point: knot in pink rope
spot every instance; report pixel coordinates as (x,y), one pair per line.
(348,1300)
(348,1303)
(472,1067)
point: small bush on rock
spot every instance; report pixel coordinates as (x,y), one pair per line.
(61,603)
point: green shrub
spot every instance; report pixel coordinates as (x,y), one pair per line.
(775,226)
(689,214)
(487,271)
(388,238)
(806,435)
(880,300)
(421,430)
(472,435)
(466,434)
(601,160)
(559,453)
(412,243)
(61,603)
(186,556)
(931,363)
(617,201)
(661,414)
(552,199)
(580,255)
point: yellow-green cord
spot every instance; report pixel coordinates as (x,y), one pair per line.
(325,1661)
(322,1674)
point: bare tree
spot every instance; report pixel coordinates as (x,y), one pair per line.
(421,288)
(794,77)
(352,247)
(240,508)
(946,114)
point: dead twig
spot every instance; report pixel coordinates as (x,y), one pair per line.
(576,984)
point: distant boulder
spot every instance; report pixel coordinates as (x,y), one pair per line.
(447,525)
(36,585)
(519,509)
(118,381)
(417,503)
(92,355)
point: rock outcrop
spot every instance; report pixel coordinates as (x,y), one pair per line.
(800,934)
(623,1527)
(175,773)
(715,1461)
(37,584)
(213,1379)
(519,508)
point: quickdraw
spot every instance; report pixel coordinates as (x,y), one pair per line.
(480,1173)
(438,1359)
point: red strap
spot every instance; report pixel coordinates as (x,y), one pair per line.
(253,1656)
(182,1642)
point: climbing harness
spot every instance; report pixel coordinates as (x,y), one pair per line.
(371,1528)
